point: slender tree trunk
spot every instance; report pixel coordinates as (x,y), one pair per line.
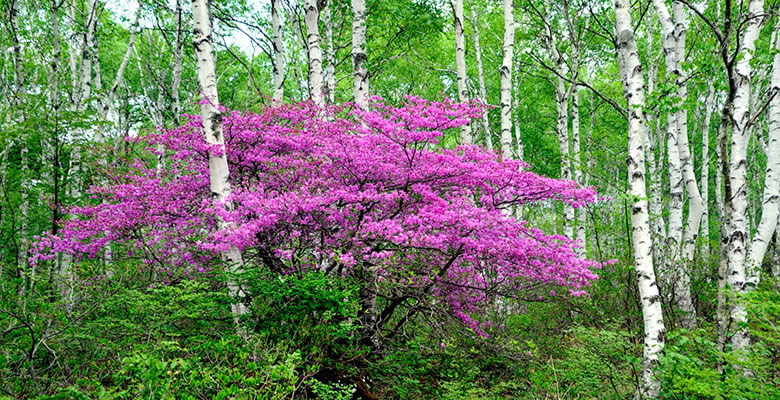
(312,21)
(481,74)
(519,152)
(562,94)
(705,166)
(16,115)
(723,201)
(278,46)
(577,158)
(177,66)
(681,174)
(359,70)
(330,52)
(771,196)
(108,100)
(89,46)
(460,65)
(655,330)
(506,78)
(219,174)
(738,234)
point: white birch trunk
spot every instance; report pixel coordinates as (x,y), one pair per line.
(655,331)
(506,78)
(359,58)
(312,22)
(481,76)
(675,276)
(219,174)
(16,115)
(705,166)
(738,234)
(85,77)
(577,167)
(771,195)
(177,66)
(519,152)
(330,53)
(460,64)
(108,100)
(278,46)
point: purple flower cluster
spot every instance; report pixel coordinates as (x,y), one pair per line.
(338,189)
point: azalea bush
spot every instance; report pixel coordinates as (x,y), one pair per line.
(368,194)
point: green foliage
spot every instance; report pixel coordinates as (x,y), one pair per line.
(692,366)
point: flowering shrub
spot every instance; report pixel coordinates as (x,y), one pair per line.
(366,193)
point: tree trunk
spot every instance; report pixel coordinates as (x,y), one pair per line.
(769,206)
(219,174)
(359,70)
(506,78)
(642,242)
(278,46)
(705,166)
(89,46)
(312,21)
(737,233)
(676,277)
(330,53)
(518,135)
(577,164)
(108,100)
(481,75)
(460,65)
(177,66)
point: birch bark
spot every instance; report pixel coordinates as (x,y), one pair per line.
(737,233)
(460,64)
(278,47)
(219,174)
(705,165)
(681,173)
(506,78)
(312,22)
(330,53)
(481,74)
(648,290)
(359,70)
(771,195)
(519,152)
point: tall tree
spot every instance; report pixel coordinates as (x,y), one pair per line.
(506,78)
(359,58)
(278,47)
(633,85)
(675,276)
(460,63)
(475,15)
(312,22)
(737,232)
(219,174)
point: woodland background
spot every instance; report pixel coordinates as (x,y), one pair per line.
(686,91)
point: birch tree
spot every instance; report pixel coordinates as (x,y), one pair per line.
(278,47)
(771,196)
(705,164)
(312,22)
(681,174)
(359,58)
(737,232)
(631,66)
(212,131)
(475,14)
(506,78)
(460,64)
